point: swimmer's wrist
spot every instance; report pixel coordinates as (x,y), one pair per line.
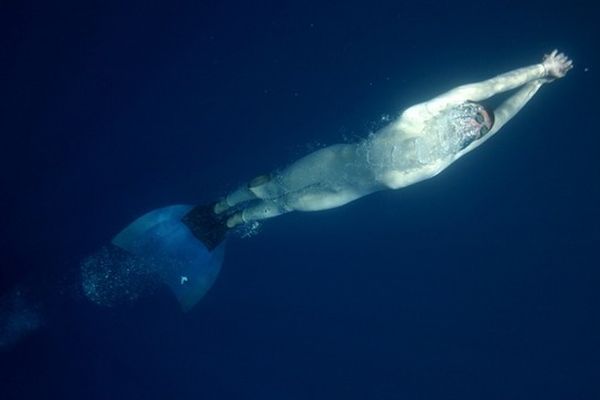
(544,70)
(547,77)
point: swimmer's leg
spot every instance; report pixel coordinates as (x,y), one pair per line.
(262,210)
(312,198)
(248,192)
(317,198)
(234,198)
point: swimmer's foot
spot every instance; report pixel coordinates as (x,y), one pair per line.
(206,225)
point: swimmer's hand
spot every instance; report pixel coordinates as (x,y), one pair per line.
(556,65)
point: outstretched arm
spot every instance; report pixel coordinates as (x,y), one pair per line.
(554,65)
(509,109)
(484,90)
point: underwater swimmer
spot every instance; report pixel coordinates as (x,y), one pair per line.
(183,246)
(422,142)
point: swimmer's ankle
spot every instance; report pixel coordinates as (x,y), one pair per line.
(221,206)
(235,220)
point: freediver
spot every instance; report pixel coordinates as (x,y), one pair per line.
(418,145)
(183,246)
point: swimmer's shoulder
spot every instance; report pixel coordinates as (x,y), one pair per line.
(412,121)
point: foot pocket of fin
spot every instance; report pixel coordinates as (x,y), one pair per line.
(205,225)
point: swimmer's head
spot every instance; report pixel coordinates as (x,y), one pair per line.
(482,118)
(470,121)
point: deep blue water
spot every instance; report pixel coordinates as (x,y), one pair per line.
(481,283)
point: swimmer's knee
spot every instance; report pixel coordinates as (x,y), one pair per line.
(259,181)
(265,187)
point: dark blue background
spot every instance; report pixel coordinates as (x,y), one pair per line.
(479,284)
